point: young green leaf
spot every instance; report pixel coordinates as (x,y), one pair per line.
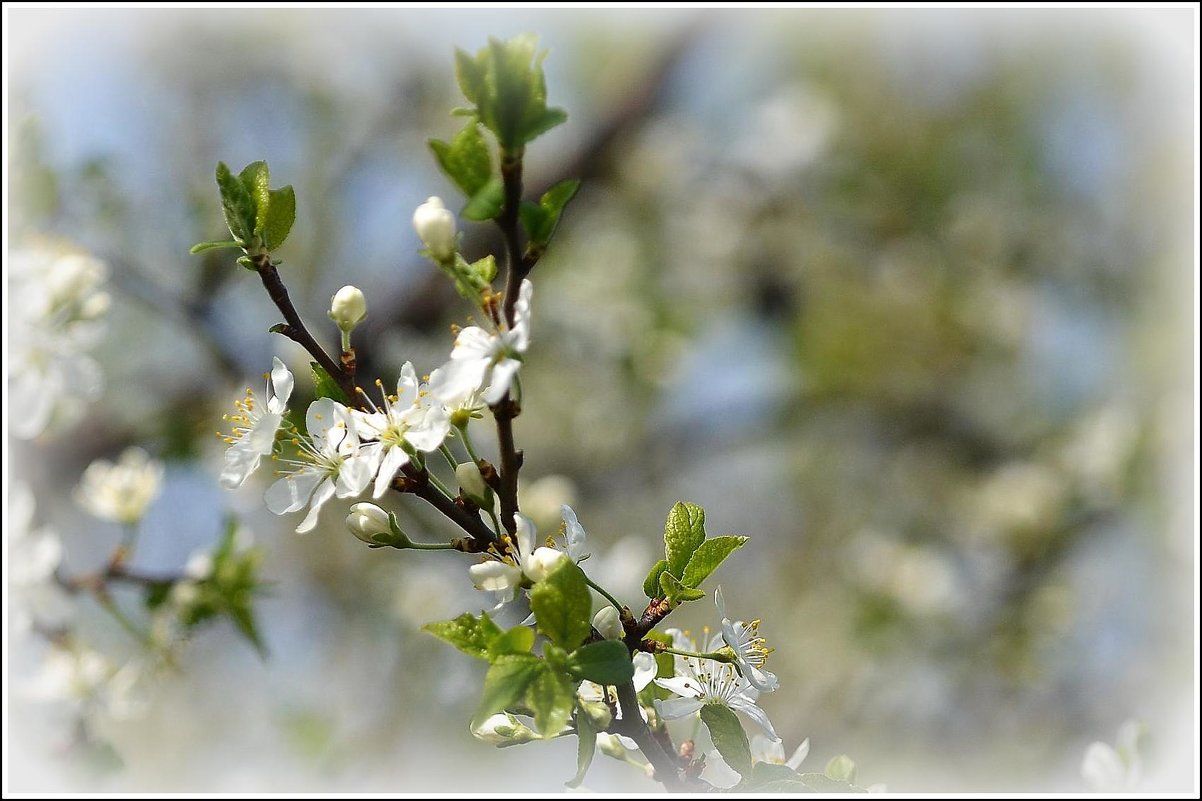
(465,160)
(255,178)
(506,683)
(324,386)
(676,592)
(683,534)
(517,640)
(562,604)
(486,203)
(548,119)
(280,215)
(707,557)
(236,204)
(728,736)
(470,73)
(586,746)
(651,584)
(201,247)
(540,221)
(469,634)
(550,697)
(605,662)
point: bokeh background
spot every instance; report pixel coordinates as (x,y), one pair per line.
(906,296)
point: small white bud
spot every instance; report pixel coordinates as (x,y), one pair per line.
(608,623)
(348,307)
(502,728)
(611,746)
(436,227)
(367,522)
(472,484)
(542,562)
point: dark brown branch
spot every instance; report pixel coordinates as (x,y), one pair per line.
(631,724)
(295,328)
(416,482)
(98,581)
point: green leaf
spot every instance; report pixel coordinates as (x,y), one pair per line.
(586,746)
(157,594)
(841,769)
(324,386)
(683,533)
(707,557)
(244,621)
(676,592)
(651,584)
(540,221)
(468,633)
(466,160)
(728,736)
(517,640)
(486,203)
(605,662)
(255,178)
(550,697)
(280,216)
(470,73)
(562,604)
(201,247)
(506,683)
(820,783)
(236,204)
(550,118)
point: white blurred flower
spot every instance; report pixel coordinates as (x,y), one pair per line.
(408,421)
(70,674)
(771,751)
(544,498)
(435,226)
(1108,769)
(486,361)
(330,463)
(704,681)
(55,300)
(122,491)
(751,650)
(255,426)
(33,557)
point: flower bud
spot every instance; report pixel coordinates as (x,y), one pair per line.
(608,623)
(472,484)
(370,523)
(611,746)
(502,728)
(436,227)
(348,307)
(542,562)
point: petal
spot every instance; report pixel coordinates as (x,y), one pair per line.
(354,475)
(644,670)
(684,686)
(474,343)
(292,492)
(502,377)
(282,382)
(493,576)
(761,680)
(799,755)
(752,711)
(324,491)
(240,462)
(575,532)
(406,386)
(721,602)
(393,460)
(521,316)
(261,438)
(320,417)
(676,708)
(524,534)
(765,750)
(430,429)
(458,379)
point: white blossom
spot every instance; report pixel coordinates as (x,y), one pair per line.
(764,749)
(608,623)
(750,649)
(487,361)
(255,426)
(122,491)
(704,681)
(504,576)
(1111,769)
(366,521)
(330,463)
(408,421)
(56,300)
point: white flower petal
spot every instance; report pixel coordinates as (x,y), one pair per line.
(676,708)
(282,382)
(493,576)
(502,376)
(354,476)
(394,459)
(291,493)
(324,491)
(645,669)
(685,686)
(799,755)
(240,461)
(748,708)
